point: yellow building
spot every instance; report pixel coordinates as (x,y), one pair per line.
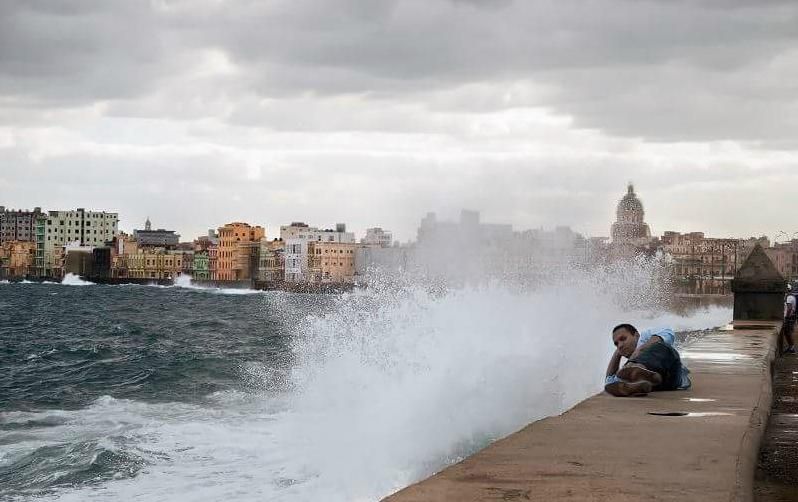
(149,264)
(238,251)
(17,258)
(271,261)
(331,262)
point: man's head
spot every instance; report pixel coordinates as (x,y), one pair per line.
(625,337)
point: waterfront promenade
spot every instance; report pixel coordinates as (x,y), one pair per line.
(700,444)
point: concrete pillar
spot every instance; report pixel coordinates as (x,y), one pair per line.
(758,289)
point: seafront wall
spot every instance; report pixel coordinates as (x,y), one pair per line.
(700,444)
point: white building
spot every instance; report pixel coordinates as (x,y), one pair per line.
(377,237)
(85,228)
(296,237)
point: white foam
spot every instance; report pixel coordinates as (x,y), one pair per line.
(185,282)
(74,280)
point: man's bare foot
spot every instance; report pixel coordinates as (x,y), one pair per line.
(635,372)
(629,389)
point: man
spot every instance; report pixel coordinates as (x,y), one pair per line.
(787,327)
(653,364)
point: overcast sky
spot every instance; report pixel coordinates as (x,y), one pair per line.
(536,113)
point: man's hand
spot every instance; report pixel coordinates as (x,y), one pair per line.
(615,363)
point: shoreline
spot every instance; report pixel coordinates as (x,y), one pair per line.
(330,288)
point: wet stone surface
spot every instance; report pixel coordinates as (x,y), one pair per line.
(777,473)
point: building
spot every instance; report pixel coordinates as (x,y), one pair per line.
(297,236)
(462,251)
(41,229)
(17,259)
(156,238)
(150,263)
(301,231)
(213,261)
(377,260)
(237,254)
(695,256)
(203,242)
(84,228)
(271,260)
(784,256)
(331,262)
(201,270)
(187,259)
(630,227)
(377,237)
(469,229)
(18,225)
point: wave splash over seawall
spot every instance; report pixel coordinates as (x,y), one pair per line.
(382,388)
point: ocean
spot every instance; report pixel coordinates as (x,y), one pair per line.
(191,394)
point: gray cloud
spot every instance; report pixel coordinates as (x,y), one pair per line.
(631,68)
(536,112)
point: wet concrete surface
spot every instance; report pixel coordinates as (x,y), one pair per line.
(701,444)
(777,473)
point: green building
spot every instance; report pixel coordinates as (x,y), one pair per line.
(39,269)
(201,266)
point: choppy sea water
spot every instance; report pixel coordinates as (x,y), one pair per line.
(183,393)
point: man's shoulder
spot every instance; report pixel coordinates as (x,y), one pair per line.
(663,332)
(657,330)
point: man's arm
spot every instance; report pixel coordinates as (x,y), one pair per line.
(654,339)
(615,364)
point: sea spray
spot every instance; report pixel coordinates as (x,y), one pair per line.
(395,384)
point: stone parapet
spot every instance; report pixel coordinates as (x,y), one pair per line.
(700,444)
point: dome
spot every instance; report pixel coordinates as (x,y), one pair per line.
(629,207)
(630,226)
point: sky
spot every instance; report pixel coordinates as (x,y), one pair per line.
(536,113)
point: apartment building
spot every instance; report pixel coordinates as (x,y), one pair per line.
(85,228)
(238,245)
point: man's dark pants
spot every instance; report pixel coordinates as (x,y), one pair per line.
(785,335)
(663,359)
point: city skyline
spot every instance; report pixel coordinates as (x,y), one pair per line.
(273,229)
(533,113)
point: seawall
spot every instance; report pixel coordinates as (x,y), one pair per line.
(700,444)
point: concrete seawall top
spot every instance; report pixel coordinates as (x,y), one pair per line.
(700,444)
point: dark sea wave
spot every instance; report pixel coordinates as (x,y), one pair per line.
(63,347)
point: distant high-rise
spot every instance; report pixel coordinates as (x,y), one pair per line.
(18,225)
(79,227)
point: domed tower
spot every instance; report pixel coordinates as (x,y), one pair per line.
(147,224)
(630,226)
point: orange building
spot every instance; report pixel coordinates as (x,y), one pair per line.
(237,253)
(332,262)
(17,258)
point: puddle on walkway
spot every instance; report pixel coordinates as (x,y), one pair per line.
(702,414)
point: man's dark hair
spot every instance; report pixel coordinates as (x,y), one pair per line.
(628,327)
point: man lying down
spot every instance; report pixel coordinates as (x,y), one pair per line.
(652,362)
